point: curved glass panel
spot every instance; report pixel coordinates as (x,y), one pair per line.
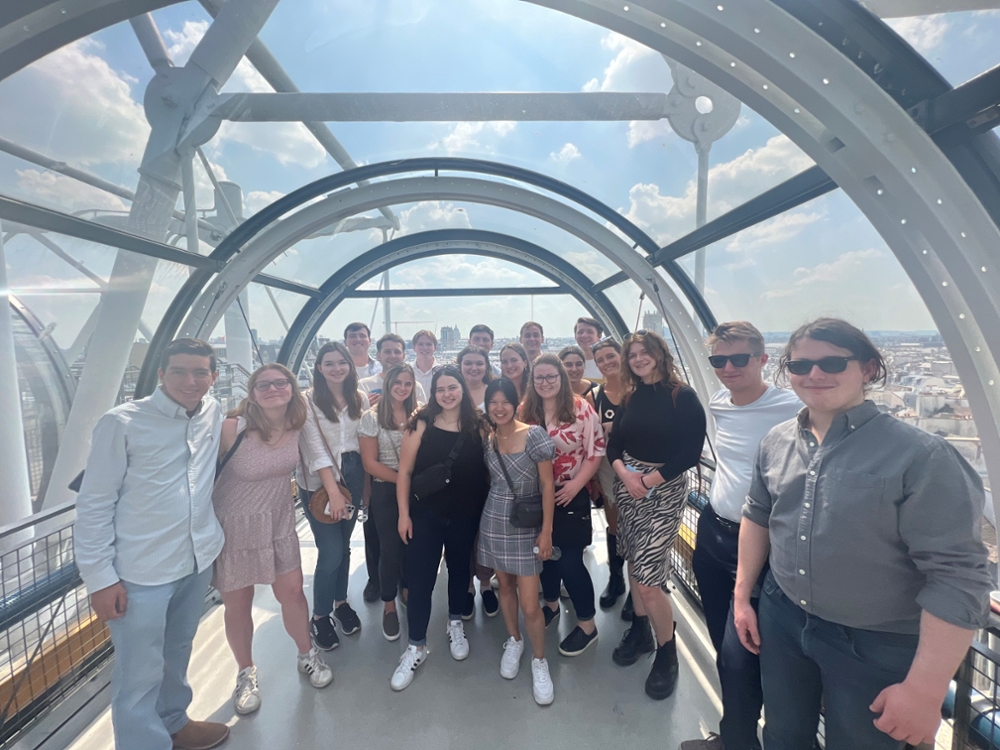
(960,45)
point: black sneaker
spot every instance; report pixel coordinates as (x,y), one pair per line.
(577,642)
(550,614)
(491,605)
(347,618)
(373,591)
(324,635)
(470,606)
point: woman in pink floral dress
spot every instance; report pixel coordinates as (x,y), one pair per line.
(576,430)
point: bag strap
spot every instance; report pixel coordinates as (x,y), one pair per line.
(503,467)
(319,427)
(229,454)
(455,451)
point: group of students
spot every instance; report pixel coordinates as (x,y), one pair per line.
(855,582)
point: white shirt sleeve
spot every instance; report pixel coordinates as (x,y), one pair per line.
(311,442)
(94,531)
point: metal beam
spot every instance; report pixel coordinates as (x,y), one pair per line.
(285,285)
(910,8)
(55,221)
(975,105)
(442,107)
(500,291)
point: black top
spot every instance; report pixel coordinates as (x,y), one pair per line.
(465,495)
(651,429)
(606,410)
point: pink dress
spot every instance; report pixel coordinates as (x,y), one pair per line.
(253,502)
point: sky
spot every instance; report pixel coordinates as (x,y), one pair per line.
(83,105)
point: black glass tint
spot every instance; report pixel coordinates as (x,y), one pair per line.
(718,361)
(266,385)
(830,365)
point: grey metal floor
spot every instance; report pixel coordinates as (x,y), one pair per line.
(450,704)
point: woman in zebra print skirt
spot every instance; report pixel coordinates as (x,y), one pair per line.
(656,437)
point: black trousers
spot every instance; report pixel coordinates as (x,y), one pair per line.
(385,519)
(421,558)
(373,545)
(714,563)
(571,570)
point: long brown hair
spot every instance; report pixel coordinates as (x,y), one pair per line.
(321,394)
(470,419)
(249,409)
(666,367)
(523,354)
(384,409)
(533,408)
(488,375)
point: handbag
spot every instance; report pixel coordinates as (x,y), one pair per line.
(436,476)
(319,501)
(527,511)
(571,524)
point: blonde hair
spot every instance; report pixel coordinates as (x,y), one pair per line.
(249,409)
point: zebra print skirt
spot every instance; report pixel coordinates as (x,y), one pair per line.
(648,526)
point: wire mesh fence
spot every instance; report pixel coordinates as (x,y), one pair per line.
(50,638)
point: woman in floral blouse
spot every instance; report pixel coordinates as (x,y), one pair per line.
(576,430)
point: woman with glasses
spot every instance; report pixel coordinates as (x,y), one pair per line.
(443,440)
(514,366)
(519,458)
(380,436)
(476,370)
(474,362)
(607,356)
(330,453)
(573,361)
(656,437)
(254,505)
(576,430)
(878,576)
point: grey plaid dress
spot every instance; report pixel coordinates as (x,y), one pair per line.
(501,546)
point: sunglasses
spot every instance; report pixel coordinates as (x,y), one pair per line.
(606,341)
(718,361)
(829,365)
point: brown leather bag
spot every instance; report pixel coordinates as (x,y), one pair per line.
(319,500)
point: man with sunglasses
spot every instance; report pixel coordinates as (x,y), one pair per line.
(744,411)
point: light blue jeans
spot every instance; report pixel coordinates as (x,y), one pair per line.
(150,693)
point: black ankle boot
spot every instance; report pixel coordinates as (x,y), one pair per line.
(663,676)
(616,579)
(638,640)
(627,611)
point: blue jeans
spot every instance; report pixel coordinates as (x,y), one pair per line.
(714,564)
(333,542)
(804,658)
(150,693)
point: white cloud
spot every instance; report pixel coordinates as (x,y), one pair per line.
(924,33)
(592,85)
(779,229)
(432,215)
(65,193)
(667,217)
(255,200)
(641,131)
(566,154)
(465,136)
(73,106)
(847,266)
(288,142)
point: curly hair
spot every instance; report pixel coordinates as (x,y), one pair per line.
(666,368)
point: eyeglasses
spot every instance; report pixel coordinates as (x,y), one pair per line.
(265,385)
(718,361)
(829,365)
(550,379)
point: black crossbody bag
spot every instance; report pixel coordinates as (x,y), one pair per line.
(527,511)
(436,476)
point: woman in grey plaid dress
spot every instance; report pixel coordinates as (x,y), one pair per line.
(517,553)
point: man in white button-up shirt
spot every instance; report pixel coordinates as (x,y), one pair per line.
(146,536)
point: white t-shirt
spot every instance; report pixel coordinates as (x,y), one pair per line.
(425,378)
(374,384)
(591,371)
(372,368)
(738,432)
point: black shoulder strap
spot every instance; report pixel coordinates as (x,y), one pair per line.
(229,454)
(455,451)
(503,467)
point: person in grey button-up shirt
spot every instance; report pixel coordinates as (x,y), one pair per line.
(146,537)
(878,571)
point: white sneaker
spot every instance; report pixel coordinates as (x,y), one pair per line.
(541,682)
(510,662)
(457,640)
(246,696)
(320,674)
(412,658)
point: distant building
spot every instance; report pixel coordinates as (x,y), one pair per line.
(449,338)
(653,321)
